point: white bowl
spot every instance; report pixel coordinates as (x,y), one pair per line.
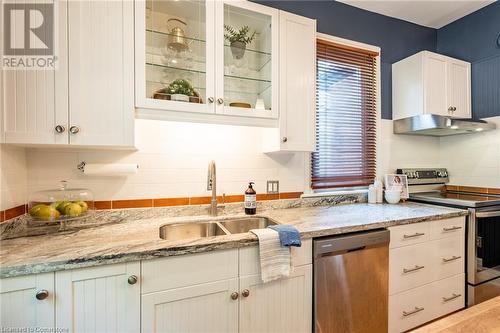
(392,196)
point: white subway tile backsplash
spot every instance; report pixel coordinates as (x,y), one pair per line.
(13,176)
(173,159)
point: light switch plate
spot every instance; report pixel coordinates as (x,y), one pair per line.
(273,186)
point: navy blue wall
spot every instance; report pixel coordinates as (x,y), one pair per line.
(475,38)
(396,38)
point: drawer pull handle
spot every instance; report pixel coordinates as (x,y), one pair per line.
(414,269)
(409,313)
(452,228)
(447,299)
(417,234)
(451,259)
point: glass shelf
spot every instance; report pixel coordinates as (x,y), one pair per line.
(171,69)
(253,59)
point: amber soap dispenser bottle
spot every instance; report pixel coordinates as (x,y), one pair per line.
(250,200)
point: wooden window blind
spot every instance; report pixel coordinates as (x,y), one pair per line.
(346,117)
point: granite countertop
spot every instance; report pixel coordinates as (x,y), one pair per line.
(130,240)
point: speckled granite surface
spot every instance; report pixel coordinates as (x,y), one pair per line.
(135,236)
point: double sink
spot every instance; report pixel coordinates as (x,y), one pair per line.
(213,227)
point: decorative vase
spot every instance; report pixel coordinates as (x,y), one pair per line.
(238,49)
(179,97)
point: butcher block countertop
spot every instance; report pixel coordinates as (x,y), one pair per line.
(481,318)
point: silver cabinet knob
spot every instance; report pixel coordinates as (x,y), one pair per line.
(60,129)
(245,293)
(234,296)
(74,129)
(42,294)
(450,109)
(220,100)
(285,139)
(210,100)
(132,279)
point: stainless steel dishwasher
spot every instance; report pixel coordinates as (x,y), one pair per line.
(351,283)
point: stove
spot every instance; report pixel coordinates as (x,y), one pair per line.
(456,199)
(482,229)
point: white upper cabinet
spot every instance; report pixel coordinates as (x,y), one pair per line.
(35,102)
(206,57)
(88,99)
(101,75)
(297,86)
(430,83)
(459,88)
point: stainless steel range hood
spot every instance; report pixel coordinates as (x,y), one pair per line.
(434,125)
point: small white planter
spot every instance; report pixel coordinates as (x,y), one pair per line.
(179,97)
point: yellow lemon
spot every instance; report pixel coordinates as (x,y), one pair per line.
(72,209)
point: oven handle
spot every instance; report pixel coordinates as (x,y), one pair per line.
(483,215)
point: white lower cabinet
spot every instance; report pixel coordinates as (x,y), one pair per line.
(426,272)
(218,299)
(99,299)
(27,302)
(205,307)
(279,306)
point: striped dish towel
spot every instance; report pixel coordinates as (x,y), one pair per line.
(275,259)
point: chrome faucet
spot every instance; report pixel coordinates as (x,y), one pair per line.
(212,185)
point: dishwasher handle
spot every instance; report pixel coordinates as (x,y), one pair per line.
(350,242)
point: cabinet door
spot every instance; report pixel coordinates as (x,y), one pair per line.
(435,87)
(280,306)
(19,306)
(200,308)
(297,82)
(101,72)
(247,67)
(459,90)
(99,299)
(34,102)
(174,55)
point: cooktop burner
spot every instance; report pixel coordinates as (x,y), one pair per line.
(458,199)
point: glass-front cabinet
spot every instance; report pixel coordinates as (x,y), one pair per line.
(216,57)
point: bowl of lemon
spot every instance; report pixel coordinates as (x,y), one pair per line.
(61,204)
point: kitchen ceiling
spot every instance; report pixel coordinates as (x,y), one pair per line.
(433,14)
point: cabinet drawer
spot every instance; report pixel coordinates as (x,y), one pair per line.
(410,309)
(417,306)
(250,262)
(409,234)
(186,270)
(447,228)
(447,257)
(447,295)
(409,267)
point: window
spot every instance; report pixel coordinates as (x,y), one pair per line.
(346,116)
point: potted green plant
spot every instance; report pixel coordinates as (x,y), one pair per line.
(238,39)
(180,90)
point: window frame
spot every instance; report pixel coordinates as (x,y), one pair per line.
(308,191)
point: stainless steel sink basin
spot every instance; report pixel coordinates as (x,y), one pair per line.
(209,228)
(245,224)
(190,230)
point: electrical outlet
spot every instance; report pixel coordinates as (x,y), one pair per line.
(273,186)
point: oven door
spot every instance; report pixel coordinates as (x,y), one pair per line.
(483,245)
